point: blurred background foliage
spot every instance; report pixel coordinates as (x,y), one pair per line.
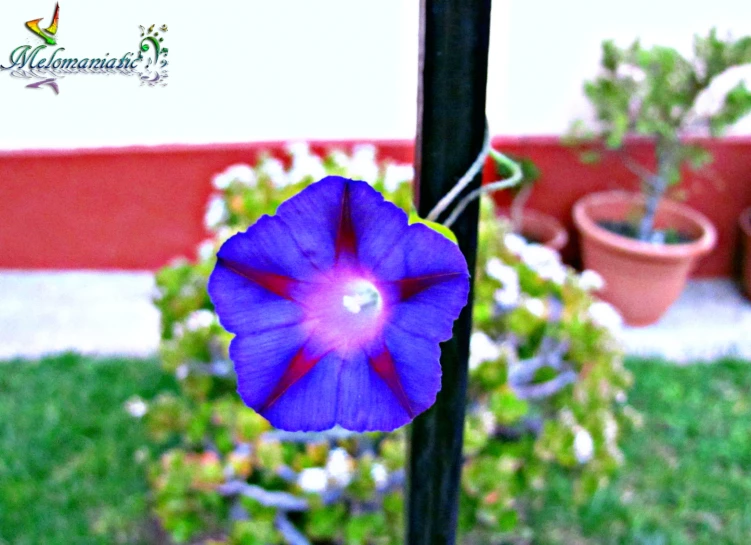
(548,392)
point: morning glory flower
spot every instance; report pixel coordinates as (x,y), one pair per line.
(338,307)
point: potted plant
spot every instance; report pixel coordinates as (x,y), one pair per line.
(745,225)
(644,245)
(533,226)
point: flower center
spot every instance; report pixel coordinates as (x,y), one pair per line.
(347,315)
(362,297)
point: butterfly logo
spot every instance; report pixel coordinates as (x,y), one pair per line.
(48,34)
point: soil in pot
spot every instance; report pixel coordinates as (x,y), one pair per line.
(659,236)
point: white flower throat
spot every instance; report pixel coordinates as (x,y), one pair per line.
(362,297)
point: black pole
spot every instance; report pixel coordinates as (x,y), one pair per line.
(454,38)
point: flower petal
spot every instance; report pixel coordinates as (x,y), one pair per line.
(261,360)
(310,403)
(313,217)
(378,224)
(366,402)
(246,307)
(420,251)
(269,246)
(417,361)
(433,288)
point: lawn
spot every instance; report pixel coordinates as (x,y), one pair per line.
(70,470)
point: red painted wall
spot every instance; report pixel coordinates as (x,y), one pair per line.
(137,208)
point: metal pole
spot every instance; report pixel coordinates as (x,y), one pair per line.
(454,38)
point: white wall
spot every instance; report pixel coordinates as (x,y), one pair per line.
(239,71)
(292,69)
(554,47)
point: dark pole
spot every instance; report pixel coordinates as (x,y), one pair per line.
(450,129)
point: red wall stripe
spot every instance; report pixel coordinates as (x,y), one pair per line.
(139,207)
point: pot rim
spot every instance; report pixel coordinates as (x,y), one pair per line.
(560,233)
(699,247)
(745,221)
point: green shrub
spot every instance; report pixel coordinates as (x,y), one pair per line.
(547,387)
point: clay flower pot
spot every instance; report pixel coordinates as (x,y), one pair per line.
(542,229)
(642,279)
(745,224)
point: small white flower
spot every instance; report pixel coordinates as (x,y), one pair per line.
(514,243)
(363,165)
(141,455)
(482,349)
(313,480)
(545,262)
(199,319)
(501,272)
(584,446)
(216,212)
(396,174)
(535,306)
(339,467)
(510,292)
(605,315)
(380,475)
(298,148)
(488,421)
(508,296)
(610,431)
(136,407)
(590,280)
(235,173)
(182,372)
(205,250)
(340,159)
(273,168)
(304,163)
(567,417)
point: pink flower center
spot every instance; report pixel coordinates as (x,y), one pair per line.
(345,315)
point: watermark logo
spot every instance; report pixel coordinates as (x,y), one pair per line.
(48,35)
(47,63)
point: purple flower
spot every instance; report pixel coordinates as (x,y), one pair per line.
(338,306)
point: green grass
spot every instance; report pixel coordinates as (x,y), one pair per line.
(687,472)
(69,472)
(68,469)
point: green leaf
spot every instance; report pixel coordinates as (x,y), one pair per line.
(437,227)
(506,407)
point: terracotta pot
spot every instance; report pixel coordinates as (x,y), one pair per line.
(642,279)
(542,228)
(745,224)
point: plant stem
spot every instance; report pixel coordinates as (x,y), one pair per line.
(656,186)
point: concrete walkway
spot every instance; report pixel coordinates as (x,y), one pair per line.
(111,314)
(88,312)
(710,319)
